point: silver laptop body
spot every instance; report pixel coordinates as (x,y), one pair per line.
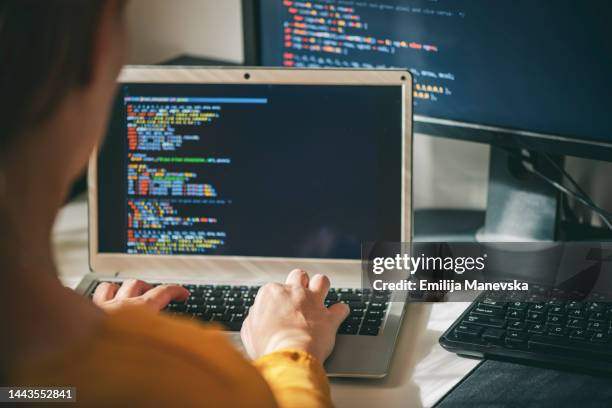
(354,355)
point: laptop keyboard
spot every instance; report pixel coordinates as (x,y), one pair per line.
(577,329)
(229,305)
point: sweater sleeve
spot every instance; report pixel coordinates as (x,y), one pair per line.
(296,379)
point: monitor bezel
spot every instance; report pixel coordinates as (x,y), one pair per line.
(112,263)
(508,138)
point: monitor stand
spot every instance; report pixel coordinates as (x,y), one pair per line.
(520,206)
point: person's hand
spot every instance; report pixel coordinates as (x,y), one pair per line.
(110,296)
(294,316)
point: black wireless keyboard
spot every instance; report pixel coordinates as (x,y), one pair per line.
(544,330)
(229,306)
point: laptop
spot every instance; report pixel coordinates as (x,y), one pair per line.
(225,179)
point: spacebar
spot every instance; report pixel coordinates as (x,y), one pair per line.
(559,346)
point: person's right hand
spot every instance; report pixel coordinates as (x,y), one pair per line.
(109,296)
(293,316)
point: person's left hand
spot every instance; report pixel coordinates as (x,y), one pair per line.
(110,296)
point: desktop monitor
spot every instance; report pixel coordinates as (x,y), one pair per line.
(516,74)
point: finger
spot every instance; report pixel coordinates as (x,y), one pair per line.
(245,336)
(160,296)
(339,312)
(319,284)
(132,288)
(297,277)
(105,292)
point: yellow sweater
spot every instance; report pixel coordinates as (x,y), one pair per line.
(139,358)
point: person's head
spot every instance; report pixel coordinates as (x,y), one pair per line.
(58,65)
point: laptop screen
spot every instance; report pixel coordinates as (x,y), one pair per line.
(307,171)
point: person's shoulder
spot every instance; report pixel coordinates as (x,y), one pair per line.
(163,361)
(142,329)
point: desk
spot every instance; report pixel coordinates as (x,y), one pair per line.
(421,372)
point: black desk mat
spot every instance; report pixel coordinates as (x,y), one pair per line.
(498,384)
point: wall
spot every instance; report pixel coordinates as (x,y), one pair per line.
(447,173)
(160,29)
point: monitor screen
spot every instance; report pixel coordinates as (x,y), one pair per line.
(540,66)
(307,171)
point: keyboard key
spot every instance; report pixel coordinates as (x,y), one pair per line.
(596,327)
(372,322)
(578,335)
(556,331)
(600,338)
(351,297)
(490,302)
(214,301)
(194,299)
(515,314)
(468,330)
(598,316)
(377,306)
(493,336)
(238,317)
(221,317)
(486,321)
(215,308)
(516,325)
(196,308)
(534,317)
(379,298)
(538,307)
(180,308)
(357,305)
(369,331)
(576,324)
(375,313)
(537,328)
(354,320)
(204,316)
(595,307)
(488,311)
(347,328)
(556,311)
(233,294)
(576,313)
(574,306)
(518,306)
(235,309)
(516,340)
(556,320)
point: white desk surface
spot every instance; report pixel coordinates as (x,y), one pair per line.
(421,372)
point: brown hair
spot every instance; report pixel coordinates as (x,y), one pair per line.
(45,50)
